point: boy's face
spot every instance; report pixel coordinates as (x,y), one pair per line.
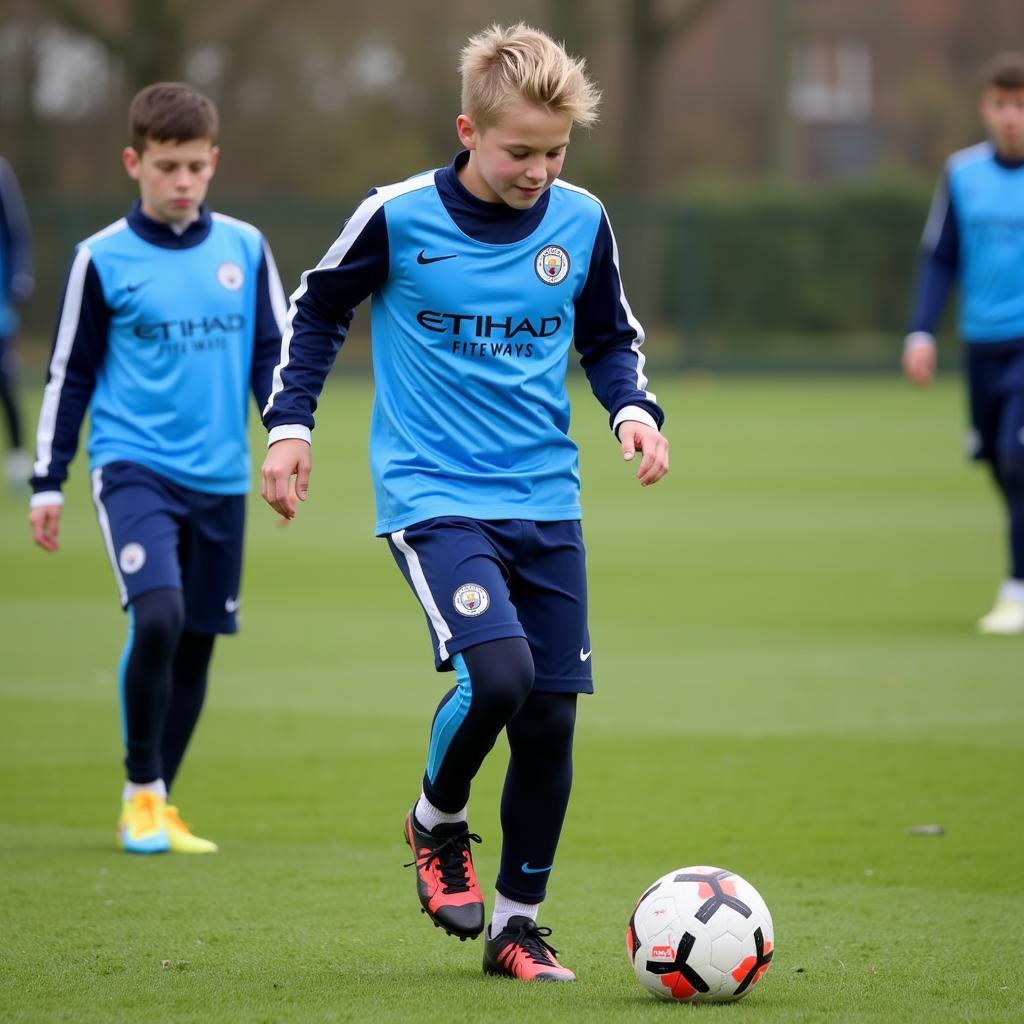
(173,177)
(1002,110)
(515,160)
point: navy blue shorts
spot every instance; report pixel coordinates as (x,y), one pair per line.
(995,387)
(160,534)
(481,580)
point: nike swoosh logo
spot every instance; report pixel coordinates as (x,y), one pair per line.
(527,870)
(584,655)
(423,259)
(231,605)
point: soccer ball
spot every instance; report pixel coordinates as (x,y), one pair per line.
(700,934)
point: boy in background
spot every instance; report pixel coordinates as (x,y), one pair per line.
(170,316)
(483,274)
(975,238)
(15,288)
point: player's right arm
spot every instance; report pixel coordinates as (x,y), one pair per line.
(79,347)
(936,276)
(317,322)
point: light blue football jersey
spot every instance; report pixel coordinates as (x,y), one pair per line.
(471,341)
(470,356)
(163,338)
(975,231)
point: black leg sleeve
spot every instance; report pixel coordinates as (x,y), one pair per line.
(157,618)
(188,690)
(494,679)
(536,793)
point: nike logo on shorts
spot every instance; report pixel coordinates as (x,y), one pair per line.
(584,655)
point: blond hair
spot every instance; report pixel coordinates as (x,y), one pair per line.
(500,65)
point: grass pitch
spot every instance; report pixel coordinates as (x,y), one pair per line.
(788,679)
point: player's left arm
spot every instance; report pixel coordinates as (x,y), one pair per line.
(269,324)
(609,339)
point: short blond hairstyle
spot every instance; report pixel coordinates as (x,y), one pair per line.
(501,65)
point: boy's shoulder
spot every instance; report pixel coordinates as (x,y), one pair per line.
(978,153)
(380,195)
(576,193)
(105,237)
(230,223)
(576,203)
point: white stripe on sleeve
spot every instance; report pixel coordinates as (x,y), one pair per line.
(66,331)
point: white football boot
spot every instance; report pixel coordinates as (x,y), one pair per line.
(1007,616)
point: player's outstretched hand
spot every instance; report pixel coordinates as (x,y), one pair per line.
(286,459)
(638,437)
(45,523)
(919,358)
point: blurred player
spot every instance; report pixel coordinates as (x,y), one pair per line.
(15,288)
(169,317)
(975,238)
(483,273)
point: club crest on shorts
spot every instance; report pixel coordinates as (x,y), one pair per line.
(471,599)
(230,276)
(552,264)
(132,558)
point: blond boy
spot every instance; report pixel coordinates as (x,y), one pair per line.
(483,274)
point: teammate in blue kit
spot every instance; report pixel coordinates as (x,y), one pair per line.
(482,276)
(975,237)
(16,285)
(169,317)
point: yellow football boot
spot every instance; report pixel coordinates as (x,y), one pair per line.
(180,836)
(142,828)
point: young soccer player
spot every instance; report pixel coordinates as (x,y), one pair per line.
(483,274)
(170,315)
(15,288)
(975,237)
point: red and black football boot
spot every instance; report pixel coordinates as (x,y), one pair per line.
(445,878)
(519,951)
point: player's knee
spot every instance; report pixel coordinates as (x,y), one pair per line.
(159,618)
(501,674)
(546,721)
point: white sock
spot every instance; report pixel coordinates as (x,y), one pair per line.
(1012,590)
(131,788)
(504,908)
(429,816)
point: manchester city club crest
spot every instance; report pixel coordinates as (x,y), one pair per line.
(230,276)
(471,599)
(552,264)
(132,558)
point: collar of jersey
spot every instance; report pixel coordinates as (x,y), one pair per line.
(494,223)
(1006,163)
(156,233)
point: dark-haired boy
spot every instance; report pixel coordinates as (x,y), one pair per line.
(975,237)
(169,317)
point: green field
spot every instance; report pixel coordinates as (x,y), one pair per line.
(788,679)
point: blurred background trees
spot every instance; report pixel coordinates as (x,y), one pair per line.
(716,115)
